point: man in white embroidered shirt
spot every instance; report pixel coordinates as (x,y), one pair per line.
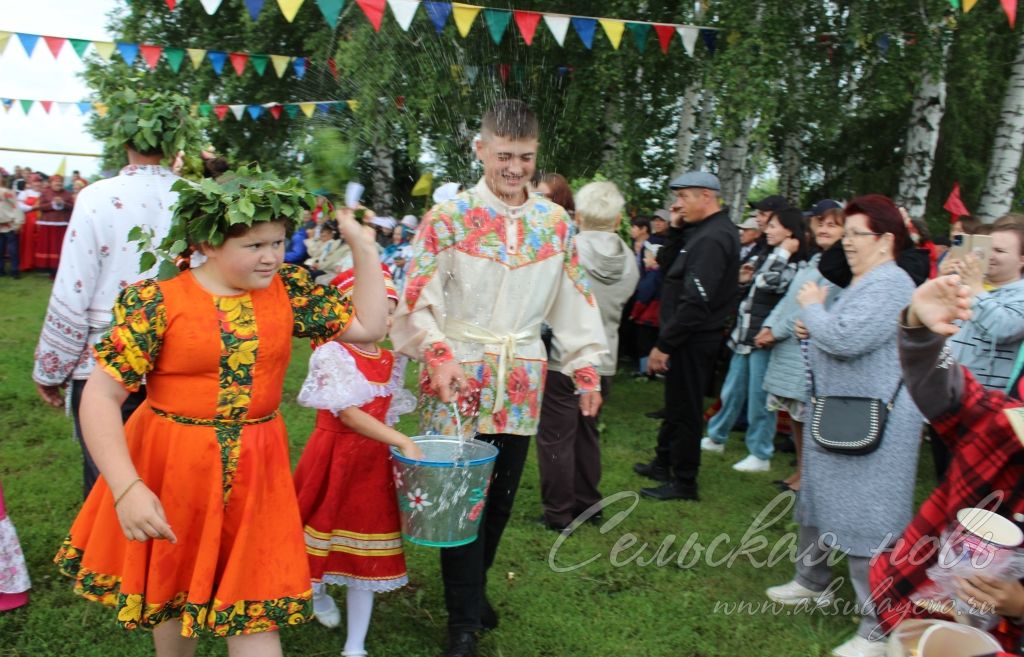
(97,262)
(488,267)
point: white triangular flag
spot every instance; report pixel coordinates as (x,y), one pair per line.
(689,36)
(66,107)
(559,26)
(210,6)
(404,10)
(237,110)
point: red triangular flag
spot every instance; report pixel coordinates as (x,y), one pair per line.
(504,70)
(238,60)
(54,44)
(374,10)
(333,67)
(275,111)
(1010,7)
(527,22)
(954,206)
(47,104)
(221,111)
(151,54)
(170,4)
(665,34)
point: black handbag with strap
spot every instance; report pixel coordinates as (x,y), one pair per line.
(849,425)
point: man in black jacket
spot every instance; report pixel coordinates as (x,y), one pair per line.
(697,296)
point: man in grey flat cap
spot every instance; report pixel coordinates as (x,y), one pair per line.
(698,295)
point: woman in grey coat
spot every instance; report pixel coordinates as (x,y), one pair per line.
(857,504)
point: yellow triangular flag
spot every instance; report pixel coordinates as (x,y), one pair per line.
(280,63)
(969,5)
(4,38)
(423,185)
(733,38)
(104,49)
(353,104)
(101,108)
(62,168)
(613,29)
(307,108)
(289,8)
(196,55)
(464,16)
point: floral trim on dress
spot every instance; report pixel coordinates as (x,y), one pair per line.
(237,318)
(129,349)
(214,618)
(320,312)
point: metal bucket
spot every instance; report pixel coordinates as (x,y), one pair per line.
(441,498)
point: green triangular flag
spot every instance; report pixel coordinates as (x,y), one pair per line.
(292,110)
(205,109)
(26,105)
(497,22)
(641,31)
(174,56)
(331,9)
(955,3)
(259,62)
(80,46)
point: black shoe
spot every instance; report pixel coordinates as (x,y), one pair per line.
(488,617)
(652,470)
(461,643)
(672,491)
(542,521)
(656,415)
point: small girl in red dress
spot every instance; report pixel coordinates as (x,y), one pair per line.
(343,480)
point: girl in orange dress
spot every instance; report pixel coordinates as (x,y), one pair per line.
(193,528)
(344,483)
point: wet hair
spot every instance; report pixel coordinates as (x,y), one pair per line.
(792,220)
(560,191)
(510,119)
(600,206)
(883,217)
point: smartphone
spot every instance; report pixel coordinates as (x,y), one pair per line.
(979,245)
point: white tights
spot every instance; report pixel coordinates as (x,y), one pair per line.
(358,608)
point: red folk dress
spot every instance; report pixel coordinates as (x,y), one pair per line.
(344,480)
(211,445)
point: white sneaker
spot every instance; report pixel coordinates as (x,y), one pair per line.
(753,464)
(858,646)
(709,445)
(794,593)
(325,609)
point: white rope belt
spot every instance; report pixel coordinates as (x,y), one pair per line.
(466,332)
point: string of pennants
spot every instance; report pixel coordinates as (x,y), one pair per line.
(220,110)
(497,21)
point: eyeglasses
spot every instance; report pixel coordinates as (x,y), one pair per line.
(850,234)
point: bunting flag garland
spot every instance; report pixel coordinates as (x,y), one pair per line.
(641,32)
(374,10)
(1010,7)
(464,15)
(221,111)
(665,34)
(259,63)
(403,11)
(710,38)
(585,28)
(527,22)
(54,44)
(289,8)
(5,38)
(255,7)
(47,104)
(150,54)
(238,61)
(217,59)
(689,36)
(969,5)
(210,6)
(558,25)
(128,51)
(105,49)
(331,10)
(28,42)
(280,63)
(497,21)
(438,13)
(299,66)
(80,46)
(613,29)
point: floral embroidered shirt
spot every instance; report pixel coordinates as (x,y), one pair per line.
(97,262)
(483,277)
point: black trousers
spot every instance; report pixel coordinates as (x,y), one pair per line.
(464,568)
(568,451)
(90,473)
(689,372)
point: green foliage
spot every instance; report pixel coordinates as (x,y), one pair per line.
(331,162)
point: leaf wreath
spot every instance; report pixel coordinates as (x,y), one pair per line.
(153,121)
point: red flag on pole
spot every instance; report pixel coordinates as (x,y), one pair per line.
(954,206)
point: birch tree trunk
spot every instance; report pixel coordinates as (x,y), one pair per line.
(688,133)
(700,145)
(383,179)
(922,138)
(1004,164)
(789,169)
(732,164)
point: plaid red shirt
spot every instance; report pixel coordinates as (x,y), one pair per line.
(986,458)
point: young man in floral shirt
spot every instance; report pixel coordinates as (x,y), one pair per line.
(488,267)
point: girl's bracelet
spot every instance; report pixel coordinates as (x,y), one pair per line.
(125,491)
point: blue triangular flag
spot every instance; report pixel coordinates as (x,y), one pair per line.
(710,38)
(883,44)
(254,111)
(28,42)
(323,107)
(84,107)
(129,51)
(254,7)
(217,59)
(300,67)
(585,28)
(438,12)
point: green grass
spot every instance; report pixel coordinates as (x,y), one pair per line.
(601,609)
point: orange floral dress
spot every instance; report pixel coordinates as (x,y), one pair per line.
(209,442)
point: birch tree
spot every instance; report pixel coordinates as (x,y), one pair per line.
(1004,163)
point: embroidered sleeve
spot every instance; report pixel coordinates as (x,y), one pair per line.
(586,379)
(334,382)
(129,349)
(319,311)
(402,401)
